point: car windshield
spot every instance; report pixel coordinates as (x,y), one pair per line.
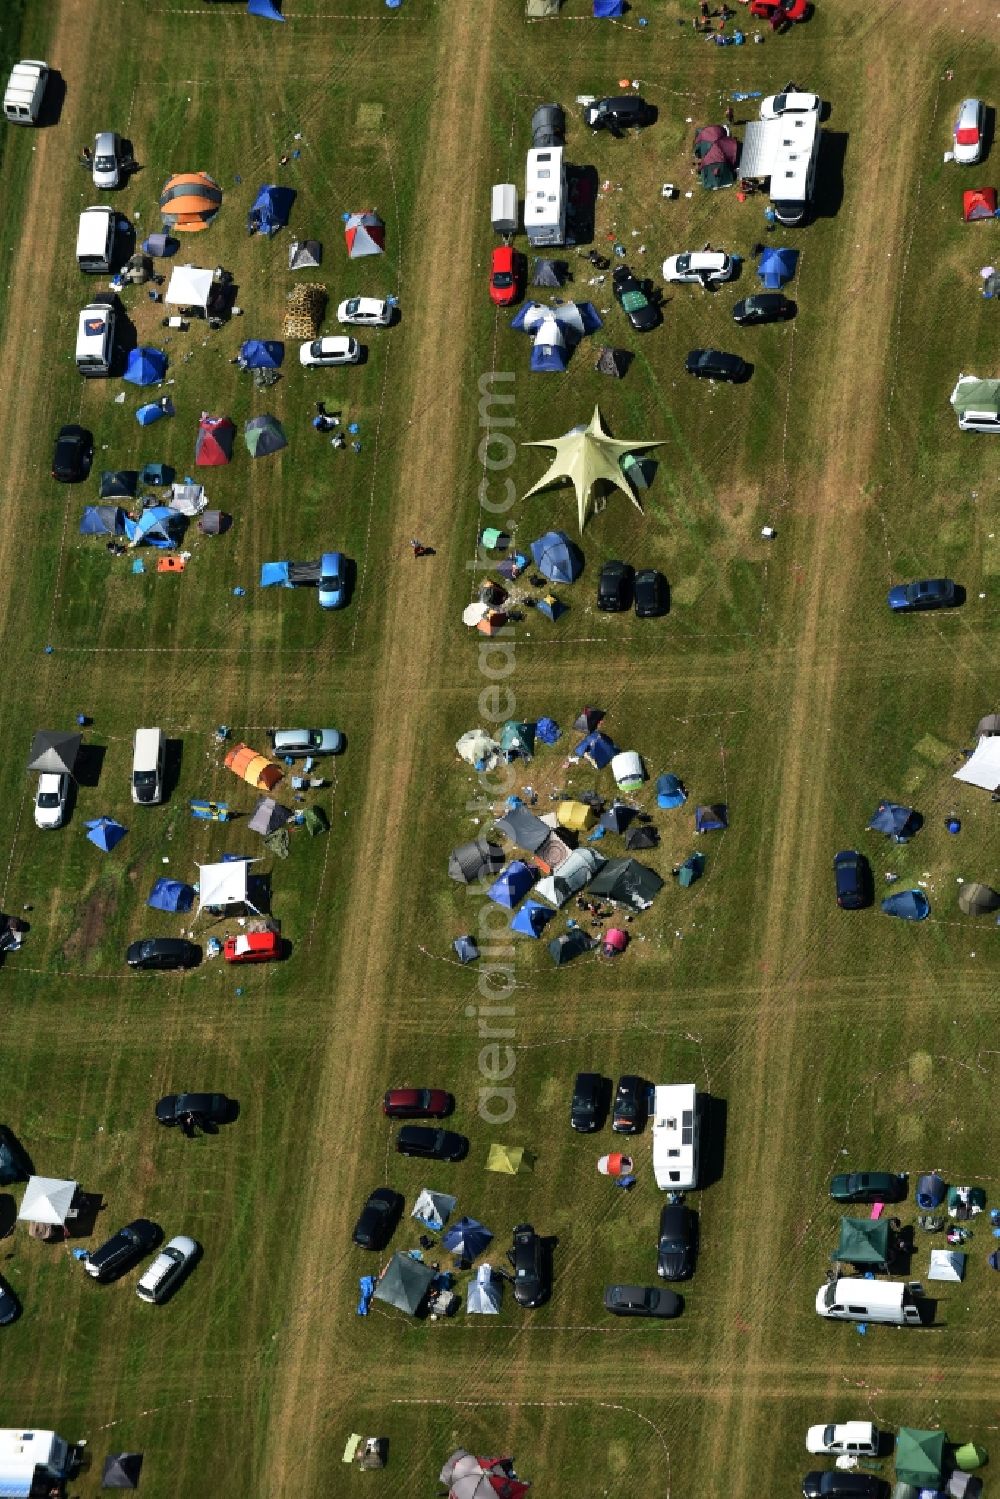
(683,262)
(104,163)
(354,305)
(48,798)
(503,278)
(316,349)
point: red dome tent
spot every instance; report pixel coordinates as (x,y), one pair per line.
(365,234)
(979,203)
(214,444)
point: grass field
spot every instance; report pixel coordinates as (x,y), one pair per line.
(778,684)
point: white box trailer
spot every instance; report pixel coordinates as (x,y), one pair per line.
(675,1136)
(850,1300)
(545,197)
(23,1454)
(22,101)
(503,208)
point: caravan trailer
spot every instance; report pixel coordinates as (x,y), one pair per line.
(675,1137)
(545,197)
(28,1458)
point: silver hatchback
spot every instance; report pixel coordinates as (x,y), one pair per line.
(107,163)
(169,1268)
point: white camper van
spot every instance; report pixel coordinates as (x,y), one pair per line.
(783,149)
(675,1137)
(95,337)
(851,1300)
(148,751)
(545,197)
(95,240)
(22,102)
(24,1454)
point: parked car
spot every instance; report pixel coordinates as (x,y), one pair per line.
(970,127)
(160,1280)
(370,312)
(675,1246)
(869,1186)
(123,1249)
(253,947)
(162,952)
(713,364)
(628,1117)
(507,273)
(615,115)
(10,1307)
(108,160)
(332,580)
(927,593)
(836,1484)
(307,741)
(763,307)
(853,876)
(641,1301)
(16,1161)
(72,454)
(586,1110)
(199,1108)
(614,587)
(50,800)
(635,298)
(858,1438)
(336,348)
(710,267)
(790,102)
(652,597)
(378,1219)
(532,1265)
(434,1144)
(417,1103)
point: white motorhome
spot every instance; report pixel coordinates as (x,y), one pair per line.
(851,1300)
(675,1136)
(95,240)
(22,101)
(25,1454)
(783,150)
(545,197)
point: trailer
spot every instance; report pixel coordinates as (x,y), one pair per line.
(28,1458)
(545,197)
(784,151)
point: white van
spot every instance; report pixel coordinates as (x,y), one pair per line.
(95,338)
(147,767)
(95,240)
(22,101)
(851,1300)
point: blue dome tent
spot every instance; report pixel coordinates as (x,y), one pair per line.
(597,748)
(908,905)
(270,210)
(153,411)
(512,884)
(171,895)
(532,919)
(146,366)
(261,354)
(102,520)
(896,822)
(670,792)
(776,266)
(266,9)
(466,949)
(157,526)
(710,819)
(608,8)
(104,833)
(467,1238)
(556,557)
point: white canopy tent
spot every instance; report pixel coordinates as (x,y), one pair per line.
(946,1264)
(47,1199)
(189,287)
(983,766)
(224,884)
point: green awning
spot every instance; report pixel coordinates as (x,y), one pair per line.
(920,1457)
(863,1241)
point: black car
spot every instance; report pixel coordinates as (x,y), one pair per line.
(15,1164)
(631,1105)
(587,1108)
(162,952)
(379,1216)
(635,299)
(651,596)
(617,115)
(713,364)
(72,455)
(435,1144)
(675,1246)
(122,1250)
(837,1484)
(853,877)
(641,1301)
(10,1307)
(763,307)
(869,1186)
(614,587)
(531,1262)
(194,1108)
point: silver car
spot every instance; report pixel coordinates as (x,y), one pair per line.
(307,741)
(169,1268)
(107,164)
(969,128)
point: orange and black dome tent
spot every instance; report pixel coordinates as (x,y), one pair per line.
(190,201)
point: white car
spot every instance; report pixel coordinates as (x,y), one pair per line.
(706,266)
(791,102)
(171,1265)
(371,312)
(50,800)
(968,132)
(338,349)
(855,1438)
(106,168)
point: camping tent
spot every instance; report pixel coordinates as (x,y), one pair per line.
(171,895)
(118,483)
(121,1470)
(484,1294)
(532,919)
(557,558)
(224,884)
(979,203)
(539,10)
(53,752)
(714,819)
(189,286)
(467,1238)
(470,861)
(256,769)
(365,235)
(920,1457)
(976,899)
(776,266)
(670,792)
(104,833)
(145,366)
(597,748)
(433,1209)
(609,8)
(190,201)
(187,499)
(102,520)
(988,725)
(304,254)
(15,1166)
(466,948)
(157,526)
(572,875)
(508,1160)
(578,817)
(617,817)
(983,766)
(517,740)
(588,456)
(628,770)
(263,435)
(48,1200)
(214,443)
(512,885)
(261,354)
(468,1477)
(896,822)
(479,750)
(643,835)
(626,882)
(946,1264)
(523,829)
(268,817)
(613,362)
(266,9)
(969,1457)
(863,1241)
(909,905)
(154,411)
(570,945)
(547,272)
(270,209)
(588,719)
(404,1284)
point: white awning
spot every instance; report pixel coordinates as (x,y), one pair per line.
(47,1199)
(760,143)
(223,884)
(189,287)
(983,767)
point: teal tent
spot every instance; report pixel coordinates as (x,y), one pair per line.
(920,1457)
(863,1241)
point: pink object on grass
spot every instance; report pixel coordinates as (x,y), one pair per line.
(877,1209)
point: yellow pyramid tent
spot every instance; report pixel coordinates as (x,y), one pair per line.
(586,456)
(509,1160)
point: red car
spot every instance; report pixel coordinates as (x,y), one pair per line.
(417,1103)
(252,947)
(777,11)
(506,275)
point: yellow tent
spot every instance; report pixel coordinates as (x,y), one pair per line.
(509,1160)
(575,815)
(587,456)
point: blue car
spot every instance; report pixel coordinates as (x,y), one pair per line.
(332,580)
(929,593)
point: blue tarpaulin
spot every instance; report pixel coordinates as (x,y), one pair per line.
(548,731)
(146,366)
(271,208)
(776,266)
(556,557)
(171,895)
(275,575)
(267,9)
(909,905)
(609,8)
(261,354)
(366,1286)
(104,833)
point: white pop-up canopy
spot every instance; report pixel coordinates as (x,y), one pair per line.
(983,766)
(189,287)
(47,1199)
(224,884)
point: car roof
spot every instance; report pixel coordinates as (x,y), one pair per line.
(706,260)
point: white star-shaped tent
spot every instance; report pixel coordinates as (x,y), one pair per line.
(586,456)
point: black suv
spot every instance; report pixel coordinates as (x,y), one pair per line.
(162,952)
(675,1246)
(614,587)
(631,1105)
(531,1263)
(713,364)
(853,877)
(121,1251)
(194,1108)
(73,452)
(763,307)
(587,1109)
(378,1219)
(435,1144)
(616,115)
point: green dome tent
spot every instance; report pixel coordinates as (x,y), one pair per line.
(920,1457)
(263,435)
